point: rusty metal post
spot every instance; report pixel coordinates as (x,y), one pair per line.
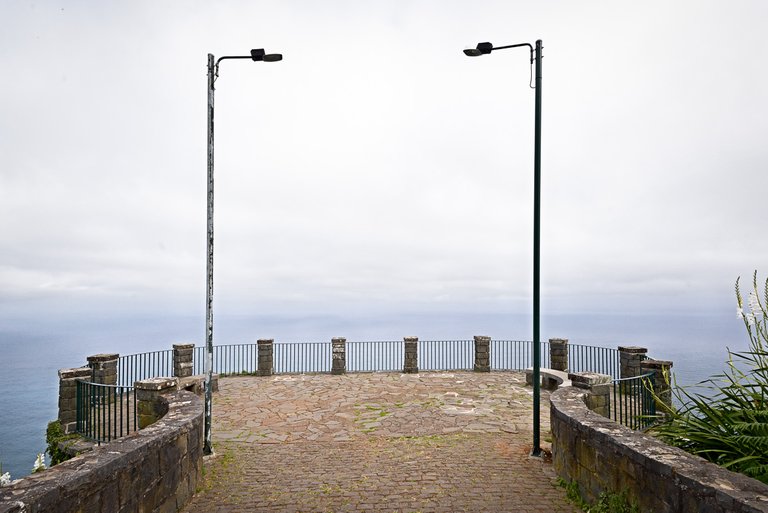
(207,447)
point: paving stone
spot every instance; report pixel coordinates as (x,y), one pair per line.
(442,442)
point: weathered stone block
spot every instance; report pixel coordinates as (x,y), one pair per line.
(482,361)
(150,406)
(411,357)
(265,348)
(630,358)
(338,355)
(558,354)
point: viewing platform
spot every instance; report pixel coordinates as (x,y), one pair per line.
(394,442)
(396,426)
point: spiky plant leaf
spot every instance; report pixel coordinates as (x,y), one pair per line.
(724,419)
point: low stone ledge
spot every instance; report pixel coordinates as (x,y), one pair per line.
(196,384)
(601,455)
(154,470)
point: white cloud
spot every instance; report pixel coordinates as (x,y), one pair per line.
(376,165)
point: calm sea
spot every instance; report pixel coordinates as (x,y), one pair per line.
(33,352)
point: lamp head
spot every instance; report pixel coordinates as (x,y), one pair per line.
(258,54)
(481,49)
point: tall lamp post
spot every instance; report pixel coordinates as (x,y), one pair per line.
(486,48)
(213,73)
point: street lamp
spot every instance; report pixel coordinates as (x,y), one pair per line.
(483,49)
(213,73)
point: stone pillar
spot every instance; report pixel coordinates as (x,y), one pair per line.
(68,396)
(660,382)
(265,357)
(558,354)
(103,368)
(183,355)
(630,359)
(411,364)
(148,392)
(598,390)
(338,355)
(104,372)
(482,353)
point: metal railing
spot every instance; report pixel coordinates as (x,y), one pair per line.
(517,355)
(604,360)
(446,355)
(632,403)
(375,356)
(135,367)
(228,359)
(301,357)
(105,412)
(367,356)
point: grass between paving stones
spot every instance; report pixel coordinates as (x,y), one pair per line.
(367,416)
(432,440)
(213,470)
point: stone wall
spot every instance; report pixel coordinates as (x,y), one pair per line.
(155,470)
(68,396)
(601,455)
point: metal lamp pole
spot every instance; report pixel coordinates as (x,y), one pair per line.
(486,48)
(213,73)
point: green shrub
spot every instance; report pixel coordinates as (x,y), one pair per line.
(726,420)
(54,434)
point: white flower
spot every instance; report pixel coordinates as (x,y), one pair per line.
(754,304)
(39,463)
(750,319)
(5,479)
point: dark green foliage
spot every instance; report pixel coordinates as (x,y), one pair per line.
(607,502)
(53,436)
(726,420)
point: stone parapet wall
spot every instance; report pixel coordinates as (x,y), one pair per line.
(155,470)
(68,396)
(601,455)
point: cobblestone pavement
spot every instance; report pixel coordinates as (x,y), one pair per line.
(377,442)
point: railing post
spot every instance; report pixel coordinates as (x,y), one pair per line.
(103,368)
(182,360)
(68,396)
(598,390)
(558,354)
(411,363)
(148,393)
(104,372)
(338,355)
(630,360)
(660,382)
(482,353)
(265,356)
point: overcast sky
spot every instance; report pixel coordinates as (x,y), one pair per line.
(376,168)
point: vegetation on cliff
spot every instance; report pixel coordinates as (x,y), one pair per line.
(725,418)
